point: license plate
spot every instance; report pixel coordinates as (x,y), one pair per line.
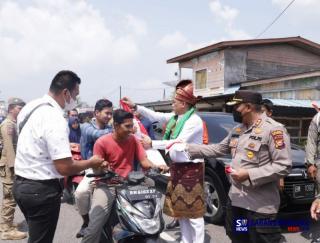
(303,190)
(144,194)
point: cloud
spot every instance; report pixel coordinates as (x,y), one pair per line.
(173,40)
(224,12)
(227,15)
(46,36)
(301,18)
(178,41)
(138,26)
(306,9)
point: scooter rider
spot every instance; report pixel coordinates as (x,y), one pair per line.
(90,132)
(119,149)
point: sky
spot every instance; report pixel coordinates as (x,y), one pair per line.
(127,42)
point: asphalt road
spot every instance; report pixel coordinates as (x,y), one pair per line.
(70,222)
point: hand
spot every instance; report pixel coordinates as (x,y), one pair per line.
(312,172)
(135,129)
(163,168)
(128,101)
(315,209)
(97,162)
(146,141)
(315,106)
(240,175)
(281,184)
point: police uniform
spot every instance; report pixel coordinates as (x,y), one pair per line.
(9,139)
(313,146)
(264,151)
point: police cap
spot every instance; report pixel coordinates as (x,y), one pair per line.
(246,96)
(16,101)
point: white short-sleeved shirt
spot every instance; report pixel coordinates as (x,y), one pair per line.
(44,138)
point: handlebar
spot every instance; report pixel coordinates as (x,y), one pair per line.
(112,178)
(107,173)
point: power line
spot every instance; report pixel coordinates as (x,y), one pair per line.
(275,19)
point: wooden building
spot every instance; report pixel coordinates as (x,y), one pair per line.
(285,70)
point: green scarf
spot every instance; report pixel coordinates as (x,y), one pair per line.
(178,127)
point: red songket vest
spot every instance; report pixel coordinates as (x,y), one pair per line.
(185,191)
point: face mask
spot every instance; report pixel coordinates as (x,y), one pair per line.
(237,116)
(68,106)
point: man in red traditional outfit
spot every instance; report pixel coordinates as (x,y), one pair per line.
(185,195)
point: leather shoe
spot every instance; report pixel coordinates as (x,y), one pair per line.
(81,232)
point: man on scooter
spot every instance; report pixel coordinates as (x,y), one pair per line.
(90,132)
(119,149)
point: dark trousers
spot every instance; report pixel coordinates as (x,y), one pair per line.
(269,232)
(40,202)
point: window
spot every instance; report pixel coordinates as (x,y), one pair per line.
(201,79)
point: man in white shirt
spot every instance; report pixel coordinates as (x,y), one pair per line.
(185,194)
(43,156)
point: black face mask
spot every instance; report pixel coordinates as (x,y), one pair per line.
(236,116)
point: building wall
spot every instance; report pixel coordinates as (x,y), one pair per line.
(300,89)
(279,60)
(235,66)
(214,64)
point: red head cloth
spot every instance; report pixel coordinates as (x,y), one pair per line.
(128,109)
(184,92)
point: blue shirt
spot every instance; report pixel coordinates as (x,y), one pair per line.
(90,132)
(148,126)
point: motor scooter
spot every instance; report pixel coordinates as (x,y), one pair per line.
(137,210)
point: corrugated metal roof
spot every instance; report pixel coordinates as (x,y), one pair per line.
(231,90)
(293,103)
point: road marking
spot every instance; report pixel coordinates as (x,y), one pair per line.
(165,236)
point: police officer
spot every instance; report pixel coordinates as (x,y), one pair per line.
(9,137)
(267,107)
(313,161)
(260,150)
(313,148)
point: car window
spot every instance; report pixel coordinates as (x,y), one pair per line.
(218,126)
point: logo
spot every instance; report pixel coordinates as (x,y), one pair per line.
(241,225)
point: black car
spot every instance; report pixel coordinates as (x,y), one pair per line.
(296,196)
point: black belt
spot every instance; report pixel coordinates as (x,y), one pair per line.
(49,181)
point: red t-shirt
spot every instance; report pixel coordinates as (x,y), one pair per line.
(120,155)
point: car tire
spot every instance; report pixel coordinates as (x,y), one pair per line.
(215,197)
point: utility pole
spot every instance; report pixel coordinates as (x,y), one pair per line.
(164,94)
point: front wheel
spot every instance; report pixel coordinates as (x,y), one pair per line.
(155,239)
(215,196)
(142,239)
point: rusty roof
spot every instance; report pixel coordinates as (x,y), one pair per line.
(295,41)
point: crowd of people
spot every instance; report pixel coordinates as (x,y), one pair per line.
(33,167)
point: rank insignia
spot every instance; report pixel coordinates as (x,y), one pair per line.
(258,122)
(250,154)
(257,130)
(233,142)
(238,130)
(278,139)
(251,145)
